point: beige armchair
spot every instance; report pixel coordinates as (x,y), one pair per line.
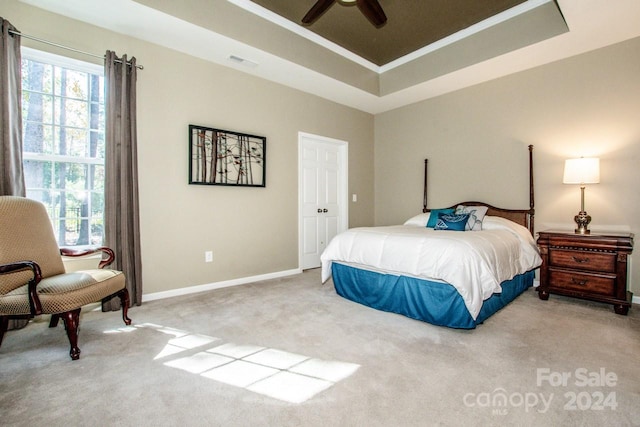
(33,280)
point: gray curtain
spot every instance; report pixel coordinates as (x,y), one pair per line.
(12,175)
(121,211)
(11,172)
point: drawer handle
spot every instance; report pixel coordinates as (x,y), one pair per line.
(580,260)
(582,282)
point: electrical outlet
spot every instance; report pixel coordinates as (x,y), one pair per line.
(208,256)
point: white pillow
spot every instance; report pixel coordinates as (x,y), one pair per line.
(476,215)
(419,220)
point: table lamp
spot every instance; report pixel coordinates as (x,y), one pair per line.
(582,171)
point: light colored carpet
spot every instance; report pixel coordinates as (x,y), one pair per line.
(396,371)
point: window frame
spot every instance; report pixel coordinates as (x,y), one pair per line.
(75,65)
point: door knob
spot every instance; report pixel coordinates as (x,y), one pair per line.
(325,210)
(319,210)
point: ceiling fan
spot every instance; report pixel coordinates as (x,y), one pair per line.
(371,9)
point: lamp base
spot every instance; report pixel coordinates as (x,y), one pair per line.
(583,220)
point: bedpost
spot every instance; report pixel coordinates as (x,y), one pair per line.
(531,198)
(424,197)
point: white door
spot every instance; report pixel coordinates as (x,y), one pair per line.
(323,195)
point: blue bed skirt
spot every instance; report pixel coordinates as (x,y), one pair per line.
(433,302)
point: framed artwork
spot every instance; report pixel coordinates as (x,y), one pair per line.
(222,157)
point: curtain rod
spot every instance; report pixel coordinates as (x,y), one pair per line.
(17,33)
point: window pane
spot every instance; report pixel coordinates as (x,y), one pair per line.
(37,76)
(34,137)
(70,112)
(77,142)
(75,176)
(97,202)
(37,108)
(76,85)
(96,145)
(75,113)
(37,174)
(97,89)
(53,207)
(98,178)
(96,231)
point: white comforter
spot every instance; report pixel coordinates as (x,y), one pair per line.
(474,262)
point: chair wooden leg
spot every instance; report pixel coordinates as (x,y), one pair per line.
(54,320)
(4,325)
(124,301)
(71,322)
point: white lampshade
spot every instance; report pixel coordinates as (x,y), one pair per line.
(585,170)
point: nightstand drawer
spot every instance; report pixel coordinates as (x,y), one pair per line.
(582,282)
(583,260)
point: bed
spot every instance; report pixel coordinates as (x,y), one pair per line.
(451,267)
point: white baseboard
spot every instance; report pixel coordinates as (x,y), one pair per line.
(209,286)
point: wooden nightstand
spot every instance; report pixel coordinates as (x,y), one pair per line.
(590,266)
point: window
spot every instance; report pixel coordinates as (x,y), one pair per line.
(63,143)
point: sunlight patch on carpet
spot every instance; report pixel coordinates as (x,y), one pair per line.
(192,341)
(119,330)
(279,374)
(199,362)
(168,350)
(290,387)
(240,373)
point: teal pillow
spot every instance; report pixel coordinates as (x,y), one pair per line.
(453,222)
(435,214)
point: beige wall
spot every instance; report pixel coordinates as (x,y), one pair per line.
(251,231)
(476,141)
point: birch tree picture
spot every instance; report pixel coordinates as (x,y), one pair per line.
(220,157)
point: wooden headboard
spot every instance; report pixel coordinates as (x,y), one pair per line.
(523,217)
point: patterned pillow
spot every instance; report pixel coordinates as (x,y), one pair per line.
(435,214)
(476,215)
(453,222)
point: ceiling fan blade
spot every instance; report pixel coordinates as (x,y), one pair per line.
(317,10)
(373,11)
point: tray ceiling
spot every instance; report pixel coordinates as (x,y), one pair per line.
(411,24)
